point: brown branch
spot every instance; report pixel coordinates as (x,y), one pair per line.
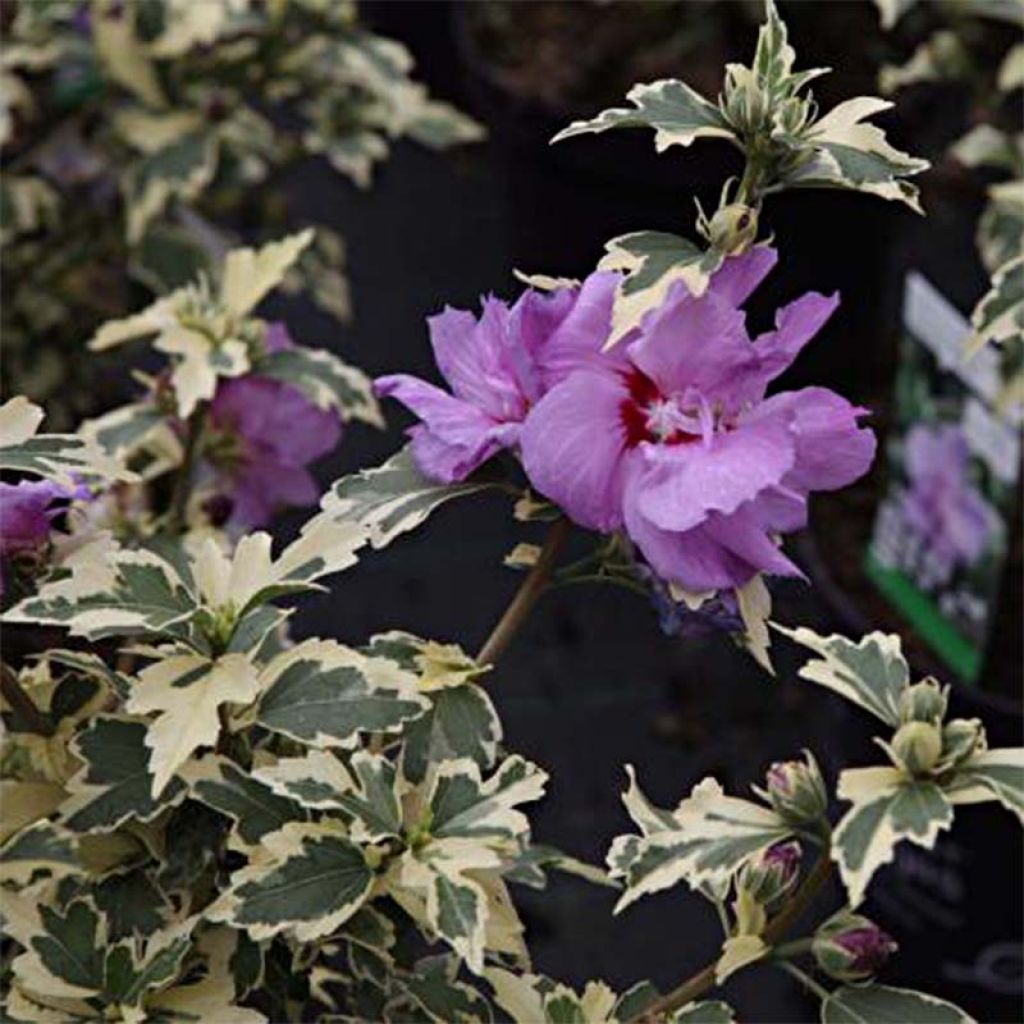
(526,596)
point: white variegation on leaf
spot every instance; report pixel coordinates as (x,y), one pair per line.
(325,694)
(63,458)
(676,112)
(990,775)
(254,806)
(704,840)
(186,692)
(534,999)
(327,381)
(209,332)
(652,262)
(115,783)
(45,846)
(390,499)
(871,673)
(867,1004)
(305,880)
(461,720)
(887,808)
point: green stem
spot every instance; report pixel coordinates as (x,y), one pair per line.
(790,949)
(723,918)
(176,513)
(804,978)
(699,983)
(526,596)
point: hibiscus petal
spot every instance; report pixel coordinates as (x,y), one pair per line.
(692,560)
(795,325)
(473,356)
(568,328)
(700,343)
(455,437)
(574,447)
(687,482)
(738,276)
(262,489)
(744,535)
(831,449)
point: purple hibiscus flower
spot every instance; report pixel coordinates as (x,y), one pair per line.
(263,434)
(944,509)
(498,368)
(27,512)
(671,436)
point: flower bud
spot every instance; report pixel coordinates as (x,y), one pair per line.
(797,791)
(849,947)
(772,875)
(733,228)
(924,702)
(917,746)
(961,738)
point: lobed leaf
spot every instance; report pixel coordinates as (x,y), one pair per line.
(872,672)
(887,808)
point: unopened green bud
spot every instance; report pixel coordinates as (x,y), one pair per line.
(961,738)
(797,790)
(773,874)
(733,228)
(850,947)
(917,746)
(924,702)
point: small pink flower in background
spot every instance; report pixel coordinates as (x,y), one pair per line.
(27,512)
(263,434)
(671,436)
(498,367)
(942,506)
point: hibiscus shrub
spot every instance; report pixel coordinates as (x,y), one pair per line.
(204,819)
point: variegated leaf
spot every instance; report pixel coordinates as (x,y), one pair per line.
(991,775)
(999,316)
(534,999)
(434,992)
(62,458)
(182,169)
(45,846)
(887,808)
(652,262)
(707,1011)
(115,783)
(845,152)
(704,840)
(326,381)
(186,692)
(249,274)
(390,499)
(324,694)
(461,720)
(872,672)
(676,112)
(255,807)
(104,590)
(317,780)
(869,1004)
(306,881)
(463,806)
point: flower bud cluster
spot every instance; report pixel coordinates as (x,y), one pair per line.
(923,744)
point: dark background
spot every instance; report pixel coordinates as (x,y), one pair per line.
(591,683)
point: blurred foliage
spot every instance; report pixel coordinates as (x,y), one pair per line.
(142,138)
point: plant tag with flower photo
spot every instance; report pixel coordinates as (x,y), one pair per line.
(942,531)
